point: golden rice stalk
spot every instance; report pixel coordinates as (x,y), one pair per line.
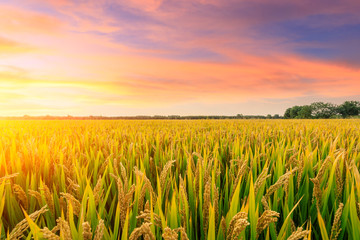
(143,230)
(233,222)
(218,172)
(191,162)
(146,187)
(323,168)
(147,205)
(291,160)
(223,225)
(146,181)
(299,234)
(48,197)
(241,171)
(62,203)
(66,170)
(339,183)
(198,155)
(251,163)
(129,194)
(184,199)
(21,196)
(74,188)
(74,203)
(315,166)
(183,234)
(261,179)
(47,234)
(124,176)
(183,216)
(36,195)
(116,164)
(98,191)
(104,166)
(300,165)
(216,204)
(167,190)
(283,180)
(165,172)
(240,226)
(64,229)
(286,187)
(55,229)
(99,233)
(173,234)
(142,196)
(146,216)
(142,176)
(124,198)
(87,234)
(152,168)
(122,201)
(183,191)
(265,203)
(206,207)
(207,171)
(21,227)
(265,219)
(170,234)
(317,193)
(335,229)
(197,176)
(8,177)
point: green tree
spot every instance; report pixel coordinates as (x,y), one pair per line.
(305,112)
(287,113)
(294,112)
(323,110)
(349,108)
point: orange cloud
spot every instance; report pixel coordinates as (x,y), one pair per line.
(10,47)
(146,5)
(160,81)
(87,58)
(135,81)
(82,16)
(16,20)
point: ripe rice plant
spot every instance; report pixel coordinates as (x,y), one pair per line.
(201,179)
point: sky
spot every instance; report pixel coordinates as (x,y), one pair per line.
(183,57)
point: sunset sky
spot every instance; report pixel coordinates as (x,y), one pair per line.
(199,57)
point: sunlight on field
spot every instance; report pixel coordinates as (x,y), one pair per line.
(226,179)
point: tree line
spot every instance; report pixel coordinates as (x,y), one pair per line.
(315,110)
(142,117)
(319,110)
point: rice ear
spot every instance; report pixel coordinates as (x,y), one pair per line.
(99,233)
(21,196)
(299,234)
(21,227)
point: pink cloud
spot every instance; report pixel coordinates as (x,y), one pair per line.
(12,47)
(81,54)
(256,77)
(15,20)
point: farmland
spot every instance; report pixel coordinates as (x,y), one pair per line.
(180,179)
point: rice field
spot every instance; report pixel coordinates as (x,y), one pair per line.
(201,179)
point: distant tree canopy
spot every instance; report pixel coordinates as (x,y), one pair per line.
(313,111)
(349,108)
(324,110)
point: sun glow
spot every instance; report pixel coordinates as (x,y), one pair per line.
(54,55)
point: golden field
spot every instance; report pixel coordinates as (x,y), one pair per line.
(200,179)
